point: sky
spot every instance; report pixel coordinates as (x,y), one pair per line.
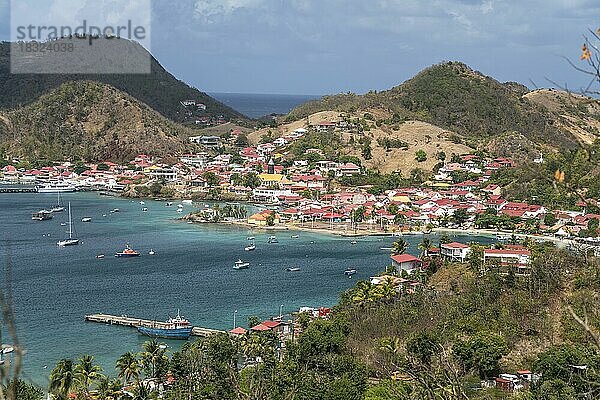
(332,46)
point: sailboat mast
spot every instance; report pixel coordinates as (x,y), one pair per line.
(70,223)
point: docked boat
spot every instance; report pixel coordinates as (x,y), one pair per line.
(70,241)
(59,187)
(86,219)
(273,239)
(239,264)
(252,247)
(42,215)
(349,272)
(174,328)
(127,252)
(293,269)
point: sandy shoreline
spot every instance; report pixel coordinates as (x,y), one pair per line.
(336,231)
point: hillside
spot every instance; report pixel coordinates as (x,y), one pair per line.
(454,97)
(91,121)
(160,90)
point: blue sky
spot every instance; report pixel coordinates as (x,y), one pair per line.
(332,46)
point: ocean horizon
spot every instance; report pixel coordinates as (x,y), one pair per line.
(260,105)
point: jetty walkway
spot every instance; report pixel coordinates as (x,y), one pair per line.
(137,322)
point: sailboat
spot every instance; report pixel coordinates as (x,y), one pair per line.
(57,207)
(70,241)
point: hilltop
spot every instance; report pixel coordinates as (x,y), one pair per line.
(474,110)
(91,121)
(160,89)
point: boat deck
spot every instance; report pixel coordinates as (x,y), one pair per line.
(137,322)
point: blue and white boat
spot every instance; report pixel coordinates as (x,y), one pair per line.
(175,328)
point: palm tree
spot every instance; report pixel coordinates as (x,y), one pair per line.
(143,391)
(153,357)
(62,378)
(399,247)
(86,373)
(109,389)
(365,292)
(425,246)
(387,289)
(129,367)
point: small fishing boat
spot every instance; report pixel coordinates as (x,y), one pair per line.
(63,224)
(239,264)
(142,202)
(127,252)
(272,239)
(86,219)
(293,269)
(179,211)
(353,242)
(144,209)
(151,252)
(250,238)
(252,247)
(115,210)
(349,272)
(168,204)
(295,236)
(100,256)
(173,328)
(42,215)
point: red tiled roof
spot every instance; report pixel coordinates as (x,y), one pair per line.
(403,258)
(455,245)
(260,328)
(238,331)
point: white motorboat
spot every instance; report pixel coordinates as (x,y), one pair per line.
(151,252)
(250,238)
(168,203)
(239,264)
(349,272)
(100,256)
(57,187)
(252,247)
(186,201)
(272,239)
(86,219)
(353,242)
(42,215)
(293,269)
(142,203)
(295,236)
(70,241)
(144,209)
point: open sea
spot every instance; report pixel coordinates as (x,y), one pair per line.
(54,288)
(259,105)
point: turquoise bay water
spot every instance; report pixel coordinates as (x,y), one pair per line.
(54,288)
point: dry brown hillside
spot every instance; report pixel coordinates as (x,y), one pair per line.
(577,114)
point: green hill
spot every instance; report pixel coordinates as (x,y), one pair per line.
(454,97)
(90,121)
(159,89)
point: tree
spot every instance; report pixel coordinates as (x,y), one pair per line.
(399,247)
(460,216)
(102,167)
(252,180)
(425,246)
(550,219)
(154,359)
(481,353)
(270,219)
(367,152)
(109,389)
(128,367)
(420,156)
(422,346)
(441,156)
(18,389)
(211,178)
(86,373)
(62,378)
(242,140)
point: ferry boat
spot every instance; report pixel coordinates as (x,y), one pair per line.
(42,215)
(174,328)
(239,264)
(70,241)
(349,272)
(128,252)
(273,239)
(58,187)
(252,247)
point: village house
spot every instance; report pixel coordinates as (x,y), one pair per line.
(348,169)
(518,257)
(455,251)
(208,141)
(406,262)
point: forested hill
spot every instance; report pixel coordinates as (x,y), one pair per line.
(455,97)
(160,90)
(91,121)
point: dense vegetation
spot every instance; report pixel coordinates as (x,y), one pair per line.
(160,90)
